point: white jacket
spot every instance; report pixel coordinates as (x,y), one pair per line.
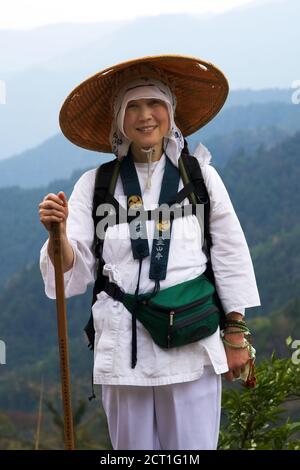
(232,265)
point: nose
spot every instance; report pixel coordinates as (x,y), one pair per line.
(145,112)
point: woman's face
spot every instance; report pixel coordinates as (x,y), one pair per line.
(146,122)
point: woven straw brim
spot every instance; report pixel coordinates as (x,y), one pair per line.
(200,88)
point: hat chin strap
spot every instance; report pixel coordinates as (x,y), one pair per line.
(150,152)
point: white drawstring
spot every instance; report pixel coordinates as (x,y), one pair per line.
(150,153)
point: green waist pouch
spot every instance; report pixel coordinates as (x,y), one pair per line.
(180,314)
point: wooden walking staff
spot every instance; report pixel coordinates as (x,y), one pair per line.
(63,338)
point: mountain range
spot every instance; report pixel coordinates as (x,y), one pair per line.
(238,127)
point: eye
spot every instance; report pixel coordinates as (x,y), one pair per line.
(131,105)
(153,102)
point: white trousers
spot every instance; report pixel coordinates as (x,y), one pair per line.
(182,416)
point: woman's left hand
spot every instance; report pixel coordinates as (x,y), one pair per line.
(236,358)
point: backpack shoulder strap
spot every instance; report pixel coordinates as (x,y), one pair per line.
(191,167)
(194,174)
(105,183)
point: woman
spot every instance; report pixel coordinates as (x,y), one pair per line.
(154,397)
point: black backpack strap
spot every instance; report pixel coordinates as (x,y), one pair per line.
(194,174)
(105,182)
(191,172)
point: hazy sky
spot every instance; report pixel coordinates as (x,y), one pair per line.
(27,14)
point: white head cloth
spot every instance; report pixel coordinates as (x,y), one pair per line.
(145,88)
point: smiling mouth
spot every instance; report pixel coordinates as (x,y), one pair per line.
(146,130)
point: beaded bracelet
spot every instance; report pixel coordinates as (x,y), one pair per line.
(237,332)
(241,328)
(236,346)
(235,322)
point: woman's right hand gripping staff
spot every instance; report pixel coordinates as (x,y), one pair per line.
(54,208)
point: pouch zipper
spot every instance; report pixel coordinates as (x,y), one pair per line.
(170,328)
(192,319)
(167,310)
(186,322)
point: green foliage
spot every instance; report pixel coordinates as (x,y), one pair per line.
(7,428)
(270,331)
(86,434)
(258,419)
(264,189)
